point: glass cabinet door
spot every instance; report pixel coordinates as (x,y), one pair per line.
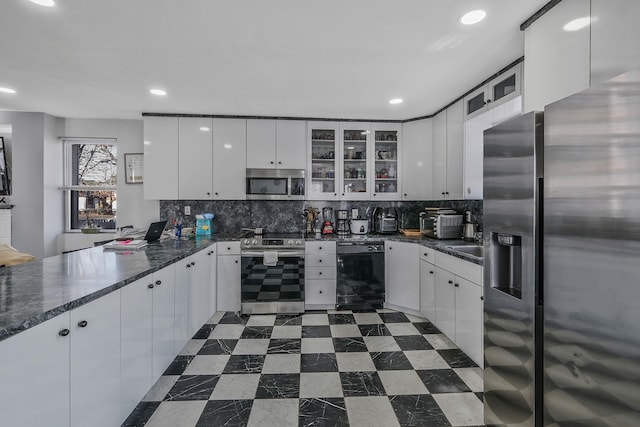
(355,155)
(323,167)
(386,182)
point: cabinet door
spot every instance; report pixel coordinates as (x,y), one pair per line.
(165,302)
(474,154)
(355,153)
(402,274)
(440,156)
(261,144)
(323,166)
(475,103)
(212,279)
(181,305)
(160,158)
(291,146)
(417,160)
(320,292)
(229,159)
(445,303)
(195,181)
(428,290)
(199,281)
(34,375)
(455,143)
(386,168)
(136,341)
(95,363)
(469,330)
(505,87)
(229,283)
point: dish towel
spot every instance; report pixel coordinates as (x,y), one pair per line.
(270,259)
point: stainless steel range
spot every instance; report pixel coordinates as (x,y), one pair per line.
(272,278)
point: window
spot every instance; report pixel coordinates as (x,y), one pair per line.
(90,184)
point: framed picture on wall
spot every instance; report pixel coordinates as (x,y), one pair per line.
(134,168)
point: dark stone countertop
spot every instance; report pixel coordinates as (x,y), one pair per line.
(34,292)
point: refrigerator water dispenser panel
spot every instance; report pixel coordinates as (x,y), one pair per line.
(506,264)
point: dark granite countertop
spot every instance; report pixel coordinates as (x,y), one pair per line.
(34,292)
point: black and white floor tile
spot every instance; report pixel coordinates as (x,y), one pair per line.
(324,368)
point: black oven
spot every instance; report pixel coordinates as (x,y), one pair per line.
(272,279)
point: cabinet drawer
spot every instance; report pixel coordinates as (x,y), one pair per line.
(320,260)
(320,292)
(320,248)
(427,254)
(459,267)
(228,248)
(312,273)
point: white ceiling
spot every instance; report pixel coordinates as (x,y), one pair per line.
(300,58)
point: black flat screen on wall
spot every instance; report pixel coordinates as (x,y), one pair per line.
(5,188)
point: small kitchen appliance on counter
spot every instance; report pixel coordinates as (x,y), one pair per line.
(441,223)
(384,220)
(469,228)
(342,222)
(327,218)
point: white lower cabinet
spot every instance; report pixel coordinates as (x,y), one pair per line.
(34,373)
(469,329)
(228,270)
(445,303)
(402,274)
(164,319)
(428,290)
(181,306)
(95,363)
(212,280)
(320,275)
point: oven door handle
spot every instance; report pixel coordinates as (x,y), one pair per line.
(281,254)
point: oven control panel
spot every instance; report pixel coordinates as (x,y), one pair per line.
(260,242)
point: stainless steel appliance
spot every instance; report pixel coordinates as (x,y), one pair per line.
(342,222)
(384,220)
(275,184)
(359,226)
(468,228)
(562,328)
(441,225)
(327,220)
(360,284)
(272,275)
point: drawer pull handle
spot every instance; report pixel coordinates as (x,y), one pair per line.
(450,281)
(63,333)
(150,286)
(430,272)
(158,282)
(426,254)
(82,323)
(456,285)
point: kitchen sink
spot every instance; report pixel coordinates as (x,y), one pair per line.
(473,250)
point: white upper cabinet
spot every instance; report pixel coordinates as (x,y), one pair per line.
(557,62)
(614,38)
(447,152)
(229,159)
(161,158)
(385,166)
(275,144)
(322,165)
(291,147)
(503,88)
(195,159)
(440,155)
(417,160)
(261,144)
(355,152)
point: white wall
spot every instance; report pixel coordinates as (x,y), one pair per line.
(132,208)
(53,200)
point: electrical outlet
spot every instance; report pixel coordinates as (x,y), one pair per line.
(187,210)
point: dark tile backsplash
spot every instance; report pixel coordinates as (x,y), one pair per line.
(287,216)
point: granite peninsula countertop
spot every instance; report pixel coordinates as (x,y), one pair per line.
(35,292)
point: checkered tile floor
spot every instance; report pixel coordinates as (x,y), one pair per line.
(324,368)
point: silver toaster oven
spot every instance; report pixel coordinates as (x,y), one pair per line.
(441,226)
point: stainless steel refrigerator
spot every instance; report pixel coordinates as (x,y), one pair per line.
(562,263)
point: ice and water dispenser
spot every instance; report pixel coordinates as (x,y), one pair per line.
(506,263)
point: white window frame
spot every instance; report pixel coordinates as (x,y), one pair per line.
(68,176)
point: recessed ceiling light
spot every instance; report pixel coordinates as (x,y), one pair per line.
(47,3)
(7,90)
(395,101)
(158,92)
(205,129)
(577,24)
(473,17)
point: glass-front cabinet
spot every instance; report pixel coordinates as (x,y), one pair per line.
(355,155)
(385,170)
(322,166)
(503,88)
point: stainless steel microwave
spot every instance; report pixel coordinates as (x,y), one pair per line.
(275,184)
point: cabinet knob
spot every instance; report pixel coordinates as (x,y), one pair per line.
(405,194)
(150,286)
(426,254)
(481,298)
(228,248)
(271,162)
(82,323)
(216,193)
(63,333)
(208,193)
(374,194)
(450,281)
(319,261)
(319,273)
(158,282)
(319,248)
(442,193)
(446,192)
(343,194)
(320,292)
(390,248)
(279,163)
(188,265)
(236,261)
(488,101)
(335,194)
(193,263)
(456,285)
(430,272)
